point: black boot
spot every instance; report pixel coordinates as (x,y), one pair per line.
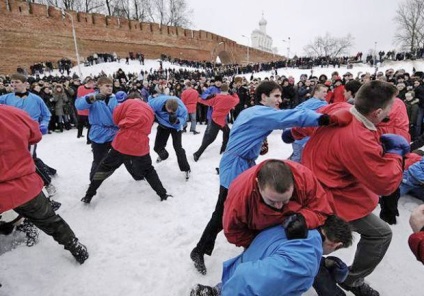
(78,250)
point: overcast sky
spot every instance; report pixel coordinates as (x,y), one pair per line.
(368,21)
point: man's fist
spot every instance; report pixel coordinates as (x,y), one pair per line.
(337,268)
(341,117)
(43,129)
(287,136)
(295,226)
(395,144)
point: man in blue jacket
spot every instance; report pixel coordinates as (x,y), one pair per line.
(249,131)
(101,105)
(317,101)
(275,265)
(171,114)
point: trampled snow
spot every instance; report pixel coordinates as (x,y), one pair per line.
(139,245)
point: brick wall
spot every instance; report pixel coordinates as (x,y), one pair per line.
(33,33)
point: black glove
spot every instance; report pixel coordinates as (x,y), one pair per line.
(230,92)
(295,226)
(165,197)
(389,207)
(210,96)
(173,119)
(337,268)
(96,97)
(264,147)
(287,136)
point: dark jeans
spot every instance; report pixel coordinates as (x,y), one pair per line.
(162,137)
(140,167)
(210,136)
(324,284)
(99,152)
(41,214)
(206,243)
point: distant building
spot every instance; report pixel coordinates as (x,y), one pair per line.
(260,40)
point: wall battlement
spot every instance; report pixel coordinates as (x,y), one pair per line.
(35,33)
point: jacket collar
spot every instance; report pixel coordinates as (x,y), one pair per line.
(368,124)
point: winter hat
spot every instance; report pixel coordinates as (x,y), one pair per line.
(121,96)
(327,83)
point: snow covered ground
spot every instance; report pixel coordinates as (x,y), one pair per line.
(139,245)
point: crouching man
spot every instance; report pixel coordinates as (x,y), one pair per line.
(20,186)
(274,264)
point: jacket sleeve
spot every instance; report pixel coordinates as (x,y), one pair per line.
(208,102)
(234,221)
(316,207)
(45,113)
(281,119)
(381,173)
(82,104)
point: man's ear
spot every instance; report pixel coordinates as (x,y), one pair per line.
(263,98)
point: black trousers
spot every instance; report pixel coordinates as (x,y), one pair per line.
(140,167)
(99,152)
(210,136)
(83,121)
(41,214)
(206,243)
(162,137)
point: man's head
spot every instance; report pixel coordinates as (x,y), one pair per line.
(89,82)
(268,93)
(320,91)
(218,81)
(105,85)
(351,88)
(18,82)
(336,233)
(171,105)
(238,81)
(374,100)
(275,183)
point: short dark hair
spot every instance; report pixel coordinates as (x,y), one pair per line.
(338,230)
(134,95)
(353,86)
(275,174)
(18,76)
(373,95)
(266,87)
(172,104)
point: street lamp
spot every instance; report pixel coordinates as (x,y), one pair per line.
(75,37)
(248,45)
(288,47)
(213,51)
(375,54)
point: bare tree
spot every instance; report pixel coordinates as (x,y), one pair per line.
(410,24)
(140,9)
(179,13)
(329,46)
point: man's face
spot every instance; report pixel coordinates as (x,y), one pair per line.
(106,89)
(274,199)
(381,113)
(347,94)
(321,93)
(329,246)
(18,86)
(218,83)
(273,100)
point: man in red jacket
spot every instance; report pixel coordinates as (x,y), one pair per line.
(83,90)
(129,147)
(189,97)
(221,104)
(20,185)
(266,194)
(354,169)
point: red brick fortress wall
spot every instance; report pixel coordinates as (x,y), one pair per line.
(32,33)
